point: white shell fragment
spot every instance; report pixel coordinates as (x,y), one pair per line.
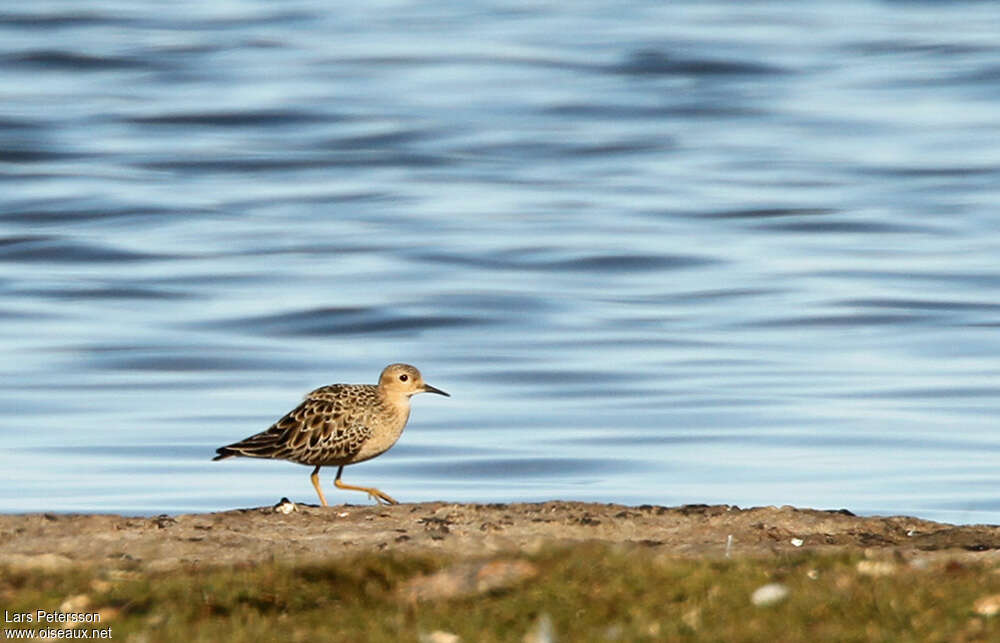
(769,594)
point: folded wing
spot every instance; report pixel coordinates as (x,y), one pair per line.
(316,432)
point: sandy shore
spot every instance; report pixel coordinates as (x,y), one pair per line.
(314,533)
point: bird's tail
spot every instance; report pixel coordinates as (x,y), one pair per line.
(223,453)
(267,444)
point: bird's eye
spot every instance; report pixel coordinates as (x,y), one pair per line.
(404,377)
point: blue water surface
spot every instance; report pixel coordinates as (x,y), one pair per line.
(667,253)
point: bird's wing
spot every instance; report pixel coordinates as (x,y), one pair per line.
(317,430)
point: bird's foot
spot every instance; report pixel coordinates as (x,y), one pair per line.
(381,497)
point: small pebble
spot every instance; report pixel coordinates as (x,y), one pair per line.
(285,506)
(542,632)
(440,636)
(876,567)
(769,594)
(987,605)
(797,542)
(691,618)
(77,603)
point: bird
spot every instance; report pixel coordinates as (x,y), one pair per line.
(338,425)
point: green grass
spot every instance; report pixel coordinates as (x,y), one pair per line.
(589,593)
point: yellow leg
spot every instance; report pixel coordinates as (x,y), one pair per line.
(315,479)
(379,496)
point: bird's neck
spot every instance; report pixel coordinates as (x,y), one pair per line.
(398,402)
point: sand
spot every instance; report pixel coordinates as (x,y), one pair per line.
(310,533)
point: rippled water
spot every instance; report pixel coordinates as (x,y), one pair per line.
(675,253)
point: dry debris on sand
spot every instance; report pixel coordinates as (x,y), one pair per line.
(310,533)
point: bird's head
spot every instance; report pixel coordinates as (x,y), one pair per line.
(403,379)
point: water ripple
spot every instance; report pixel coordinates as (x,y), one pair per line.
(56,59)
(655,62)
(545,260)
(242,118)
(340,321)
(520,468)
(53,249)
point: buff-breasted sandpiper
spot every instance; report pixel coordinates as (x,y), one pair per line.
(338,425)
